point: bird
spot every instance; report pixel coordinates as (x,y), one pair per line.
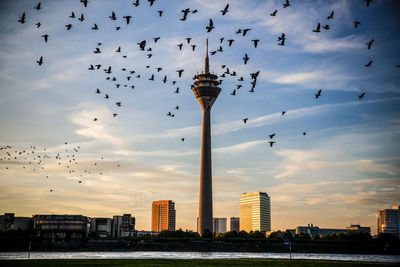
(274,13)
(368,1)
(115,114)
(210,26)
(151,2)
(38,24)
(72,15)
(95,119)
(37,7)
(282,37)
(331,15)
(180,46)
(188,39)
(98,91)
(369,44)
(326,27)
(40,61)
(177,90)
(304,133)
(165,79)
(69,26)
(118,50)
(151,78)
(180,72)
(221,40)
(136,3)
(22,18)
(230,42)
(85,2)
(271,143)
(118,104)
(91,67)
(159,69)
(182,139)
(142,44)
(97,51)
(244,31)
(106,96)
(238,31)
(113,17)
(46,37)
(128,19)
(318,28)
(356,23)
(225,10)
(160,12)
(283,112)
(234,92)
(245,120)
(285,5)
(271,136)
(117,28)
(245,58)
(156,39)
(318,94)
(255,42)
(177,107)
(368,64)
(361,96)
(193,47)
(82,18)
(95,27)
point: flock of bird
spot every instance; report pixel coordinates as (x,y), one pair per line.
(147,47)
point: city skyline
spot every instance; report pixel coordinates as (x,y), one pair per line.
(341,171)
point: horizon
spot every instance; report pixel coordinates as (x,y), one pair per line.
(342,170)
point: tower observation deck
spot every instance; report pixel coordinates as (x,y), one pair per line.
(206,91)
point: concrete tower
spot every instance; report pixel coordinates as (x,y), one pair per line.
(206,91)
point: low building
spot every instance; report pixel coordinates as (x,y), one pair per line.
(8,221)
(123,226)
(101,226)
(60,228)
(315,230)
(235,224)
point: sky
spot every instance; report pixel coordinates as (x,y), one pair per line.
(340,172)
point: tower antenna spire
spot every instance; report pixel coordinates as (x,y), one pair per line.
(207,65)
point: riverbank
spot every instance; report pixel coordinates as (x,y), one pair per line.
(191,262)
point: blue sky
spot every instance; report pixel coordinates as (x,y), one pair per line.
(345,168)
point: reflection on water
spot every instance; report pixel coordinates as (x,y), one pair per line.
(194,255)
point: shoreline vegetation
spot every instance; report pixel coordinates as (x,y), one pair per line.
(180,241)
(189,262)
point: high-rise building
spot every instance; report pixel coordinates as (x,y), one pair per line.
(255,212)
(389,221)
(235,224)
(219,225)
(206,90)
(163,216)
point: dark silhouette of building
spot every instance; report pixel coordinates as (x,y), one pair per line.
(235,224)
(206,91)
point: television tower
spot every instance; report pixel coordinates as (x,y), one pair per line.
(206,91)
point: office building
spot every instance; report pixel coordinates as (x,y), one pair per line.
(389,221)
(219,225)
(313,230)
(123,226)
(60,227)
(101,226)
(163,216)
(255,212)
(235,224)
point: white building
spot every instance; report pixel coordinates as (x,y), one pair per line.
(389,221)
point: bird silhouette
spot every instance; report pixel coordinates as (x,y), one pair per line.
(22,18)
(177,107)
(368,64)
(118,50)
(271,143)
(245,58)
(118,104)
(82,18)
(210,26)
(40,61)
(318,94)
(117,28)
(180,72)
(72,15)
(95,27)
(98,91)
(142,44)
(225,10)
(285,5)
(255,42)
(245,120)
(368,2)
(271,136)
(282,43)
(193,47)
(38,25)
(283,112)
(230,42)
(234,92)
(369,44)
(97,51)
(69,26)
(113,17)
(361,96)
(160,12)
(177,90)
(274,13)
(85,2)
(151,2)
(151,78)
(318,29)
(115,114)
(356,23)
(91,67)
(244,31)
(136,3)
(37,7)
(128,19)
(156,39)
(46,37)
(326,27)
(182,139)
(331,15)
(304,133)
(95,119)
(180,46)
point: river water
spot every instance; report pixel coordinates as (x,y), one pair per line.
(194,255)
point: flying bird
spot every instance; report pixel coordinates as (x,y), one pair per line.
(180,72)
(69,26)
(271,143)
(37,7)
(160,12)
(271,136)
(244,31)
(318,94)
(113,17)
(274,13)
(72,15)
(95,27)
(210,26)
(234,92)
(356,23)
(85,2)
(22,18)
(156,39)
(46,37)
(285,5)
(368,1)
(255,42)
(361,96)
(368,64)
(151,2)
(40,61)
(283,112)
(230,42)
(180,46)
(136,3)
(326,27)
(118,50)
(225,10)
(142,44)
(318,29)
(177,90)
(128,19)
(82,18)
(245,120)
(369,44)
(245,58)
(118,104)
(331,15)
(193,47)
